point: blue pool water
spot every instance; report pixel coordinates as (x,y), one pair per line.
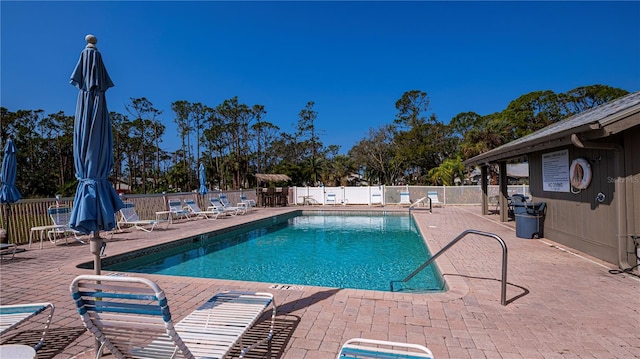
(343,251)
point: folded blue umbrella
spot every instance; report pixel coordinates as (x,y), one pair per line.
(96,201)
(8,191)
(203,180)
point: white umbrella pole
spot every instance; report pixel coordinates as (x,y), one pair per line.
(95,246)
(8,223)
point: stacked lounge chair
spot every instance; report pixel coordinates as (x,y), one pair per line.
(241,208)
(130,317)
(216,205)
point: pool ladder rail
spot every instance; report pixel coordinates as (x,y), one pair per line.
(421,201)
(503,293)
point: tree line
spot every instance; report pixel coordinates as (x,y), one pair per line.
(235,141)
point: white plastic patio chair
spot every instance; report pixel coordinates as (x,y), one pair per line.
(11,316)
(359,348)
(130,317)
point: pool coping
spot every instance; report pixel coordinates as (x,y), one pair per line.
(455,286)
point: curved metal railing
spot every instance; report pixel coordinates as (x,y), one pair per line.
(454,241)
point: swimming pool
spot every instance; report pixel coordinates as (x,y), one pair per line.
(342,250)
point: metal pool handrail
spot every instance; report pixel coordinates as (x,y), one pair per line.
(420,201)
(454,241)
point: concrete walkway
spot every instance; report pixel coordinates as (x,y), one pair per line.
(561,303)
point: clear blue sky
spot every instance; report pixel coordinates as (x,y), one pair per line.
(353,59)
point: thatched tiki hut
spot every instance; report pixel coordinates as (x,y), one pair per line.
(263,177)
(271,196)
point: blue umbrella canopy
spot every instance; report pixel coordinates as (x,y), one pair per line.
(96,200)
(203,180)
(8,191)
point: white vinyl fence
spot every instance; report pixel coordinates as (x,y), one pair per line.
(390,195)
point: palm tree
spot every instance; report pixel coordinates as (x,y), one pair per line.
(446,173)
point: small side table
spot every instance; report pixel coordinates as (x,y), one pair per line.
(17,351)
(41,230)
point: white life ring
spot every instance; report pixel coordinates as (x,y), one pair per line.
(580,172)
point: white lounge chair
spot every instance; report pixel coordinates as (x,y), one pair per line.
(331,199)
(176,209)
(129,217)
(130,317)
(434,198)
(376,199)
(405,199)
(11,316)
(241,208)
(249,202)
(359,348)
(216,205)
(195,210)
(61,216)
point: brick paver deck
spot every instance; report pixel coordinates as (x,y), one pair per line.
(561,303)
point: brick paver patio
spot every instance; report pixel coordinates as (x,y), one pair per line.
(561,303)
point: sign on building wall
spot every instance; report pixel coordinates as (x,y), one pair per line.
(555,171)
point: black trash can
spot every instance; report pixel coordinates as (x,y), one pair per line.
(530,220)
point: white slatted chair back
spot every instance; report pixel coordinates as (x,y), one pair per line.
(130,316)
(126,315)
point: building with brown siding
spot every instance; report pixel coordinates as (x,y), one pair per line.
(599,150)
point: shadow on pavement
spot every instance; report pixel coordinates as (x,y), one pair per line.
(55,342)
